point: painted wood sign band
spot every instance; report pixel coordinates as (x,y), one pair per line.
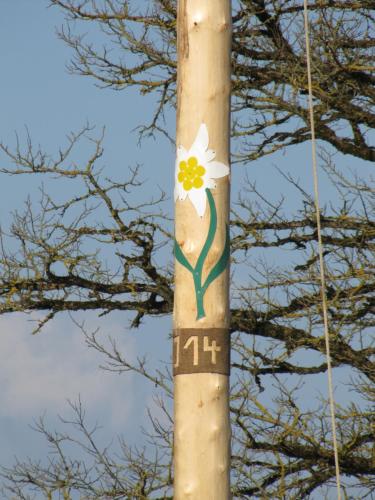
(194,179)
(197,350)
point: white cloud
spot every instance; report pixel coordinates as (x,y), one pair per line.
(39,373)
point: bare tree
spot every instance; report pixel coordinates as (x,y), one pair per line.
(282,446)
(269,67)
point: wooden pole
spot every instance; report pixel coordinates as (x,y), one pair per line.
(201,309)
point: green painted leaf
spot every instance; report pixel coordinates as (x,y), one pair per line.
(221,264)
(181,257)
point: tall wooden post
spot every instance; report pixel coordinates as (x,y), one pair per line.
(201,309)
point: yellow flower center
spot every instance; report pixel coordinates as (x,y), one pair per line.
(190,174)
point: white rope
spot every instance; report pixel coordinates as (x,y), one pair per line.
(321,259)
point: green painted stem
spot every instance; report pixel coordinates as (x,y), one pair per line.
(219,267)
(199,295)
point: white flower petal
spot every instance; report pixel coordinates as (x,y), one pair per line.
(198,199)
(210,154)
(181,153)
(175,192)
(216,169)
(200,144)
(206,181)
(210,184)
(179,192)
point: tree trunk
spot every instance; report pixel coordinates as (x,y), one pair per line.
(201,309)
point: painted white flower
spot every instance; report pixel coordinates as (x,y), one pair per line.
(196,171)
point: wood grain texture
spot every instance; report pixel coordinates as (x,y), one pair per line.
(202,428)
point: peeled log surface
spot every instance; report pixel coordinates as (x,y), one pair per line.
(202,427)
(202,435)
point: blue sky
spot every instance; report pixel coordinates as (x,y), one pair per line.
(38,374)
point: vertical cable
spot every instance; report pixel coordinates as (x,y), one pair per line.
(321,260)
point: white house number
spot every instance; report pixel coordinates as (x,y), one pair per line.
(195,345)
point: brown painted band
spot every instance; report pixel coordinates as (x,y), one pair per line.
(201,350)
